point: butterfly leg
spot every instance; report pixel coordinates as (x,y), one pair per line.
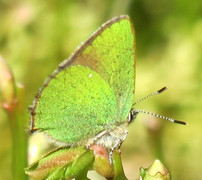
(124,137)
(117,145)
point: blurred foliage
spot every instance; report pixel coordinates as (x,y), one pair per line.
(35,36)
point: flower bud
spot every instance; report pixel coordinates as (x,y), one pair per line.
(156,171)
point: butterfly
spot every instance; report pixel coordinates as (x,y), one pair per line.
(89,98)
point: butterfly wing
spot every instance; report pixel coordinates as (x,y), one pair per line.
(92,90)
(111,53)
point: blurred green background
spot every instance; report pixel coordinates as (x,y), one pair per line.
(35,36)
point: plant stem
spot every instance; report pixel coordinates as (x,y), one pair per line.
(13,104)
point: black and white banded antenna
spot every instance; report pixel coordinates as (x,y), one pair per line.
(134,112)
(151,95)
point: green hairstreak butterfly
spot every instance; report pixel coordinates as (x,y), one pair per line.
(89,98)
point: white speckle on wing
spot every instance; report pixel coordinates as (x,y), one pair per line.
(90,75)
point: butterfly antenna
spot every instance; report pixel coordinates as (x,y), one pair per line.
(151,95)
(159,116)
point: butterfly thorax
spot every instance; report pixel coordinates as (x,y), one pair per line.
(110,139)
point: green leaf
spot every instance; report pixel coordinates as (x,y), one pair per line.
(118,168)
(62,163)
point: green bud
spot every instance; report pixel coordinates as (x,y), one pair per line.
(7,87)
(156,171)
(101,164)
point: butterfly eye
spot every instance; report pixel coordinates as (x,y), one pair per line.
(132,115)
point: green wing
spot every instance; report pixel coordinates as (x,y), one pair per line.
(92,90)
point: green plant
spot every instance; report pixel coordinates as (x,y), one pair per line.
(12,102)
